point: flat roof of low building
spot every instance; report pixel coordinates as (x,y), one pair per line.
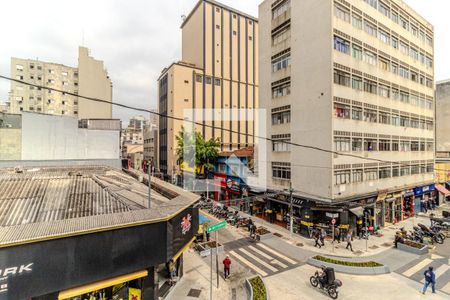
(48,203)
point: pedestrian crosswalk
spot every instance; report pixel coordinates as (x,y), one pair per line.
(262,259)
(415,271)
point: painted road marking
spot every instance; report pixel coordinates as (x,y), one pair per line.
(435,256)
(249,264)
(276,253)
(265,255)
(417,267)
(446,288)
(438,272)
(266,265)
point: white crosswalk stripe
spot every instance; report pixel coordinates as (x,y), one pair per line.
(276,253)
(416,268)
(272,260)
(248,264)
(446,288)
(439,271)
(265,264)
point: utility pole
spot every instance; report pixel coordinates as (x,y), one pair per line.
(291,216)
(149,185)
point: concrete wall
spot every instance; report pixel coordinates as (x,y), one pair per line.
(93,82)
(443,116)
(10,143)
(47,137)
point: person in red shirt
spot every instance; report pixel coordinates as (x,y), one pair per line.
(226,266)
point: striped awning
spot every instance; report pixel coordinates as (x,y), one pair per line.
(443,190)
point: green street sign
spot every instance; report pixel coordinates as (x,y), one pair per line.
(217,226)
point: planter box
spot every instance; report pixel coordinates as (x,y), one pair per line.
(249,288)
(419,251)
(349,269)
(264,237)
(205,249)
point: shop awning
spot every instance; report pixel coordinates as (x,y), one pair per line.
(381,197)
(175,257)
(98,285)
(443,190)
(357,211)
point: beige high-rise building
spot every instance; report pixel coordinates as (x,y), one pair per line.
(355,77)
(218,72)
(443,120)
(88,79)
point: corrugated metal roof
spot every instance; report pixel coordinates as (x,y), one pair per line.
(51,202)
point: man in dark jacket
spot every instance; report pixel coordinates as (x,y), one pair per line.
(430,278)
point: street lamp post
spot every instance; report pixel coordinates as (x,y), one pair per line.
(149,185)
(291,217)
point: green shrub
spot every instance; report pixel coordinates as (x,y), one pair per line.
(259,289)
(369,264)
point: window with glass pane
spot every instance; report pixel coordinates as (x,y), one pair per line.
(372,3)
(370,174)
(341,45)
(405,171)
(357,52)
(370,28)
(342,177)
(281,118)
(281,145)
(370,115)
(404,121)
(384,91)
(384,145)
(281,170)
(394,145)
(404,48)
(394,17)
(342,111)
(414,123)
(281,62)
(357,144)
(414,54)
(384,64)
(356,113)
(357,83)
(370,86)
(342,12)
(384,37)
(384,118)
(369,57)
(395,171)
(384,9)
(394,68)
(281,8)
(384,173)
(404,23)
(357,21)
(281,35)
(394,42)
(357,175)
(404,97)
(341,78)
(281,90)
(342,144)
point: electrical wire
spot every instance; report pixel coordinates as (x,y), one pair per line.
(315,148)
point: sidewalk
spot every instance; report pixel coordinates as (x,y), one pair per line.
(362,248)
(196,279)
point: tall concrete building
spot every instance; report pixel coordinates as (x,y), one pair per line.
(355,77)
(443,120)
(88,79)
(150,136)
(218,75)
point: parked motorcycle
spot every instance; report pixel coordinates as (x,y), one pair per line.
(326,281)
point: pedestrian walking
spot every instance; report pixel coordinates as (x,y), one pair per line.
(349,241)
(323,234)
(172,272)
(430,278)
(337,235)
(226,267)
(317,239)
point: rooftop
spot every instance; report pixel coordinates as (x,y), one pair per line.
(47,203)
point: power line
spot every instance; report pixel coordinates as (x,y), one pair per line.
(213,126)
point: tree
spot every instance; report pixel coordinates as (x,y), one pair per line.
(197,152)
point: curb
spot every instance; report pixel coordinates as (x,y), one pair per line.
(349,269)
(248,285)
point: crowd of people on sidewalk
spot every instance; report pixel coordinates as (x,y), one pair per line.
(320,234)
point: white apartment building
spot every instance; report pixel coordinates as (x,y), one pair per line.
(355,77)
(88,79)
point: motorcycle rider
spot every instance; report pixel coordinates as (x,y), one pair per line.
(323,277)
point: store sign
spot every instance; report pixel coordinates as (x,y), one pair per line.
(332,215)
(186,224)
(17,270)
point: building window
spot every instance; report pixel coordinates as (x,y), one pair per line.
(384,91)
(370,86)
(384,64)
(234,32)
(341,78)
(281,35)
(281,145)
(281,170)
(281,115)
(342,177)
(208,80)
(404,23)
(342,144)
(370,174)
(415,169)
(369,57)
(384,118)
(370,145)
(394,146)
(384,37)
(404,48)
(19,68)
(414,54)
(357,83)
(341,45)
(414,123)
(429,62)
(357,21)
(372,3)
(357,52)
(281,62)
(404,97)
(384,173)
(342,12)
(395,171)
(394,68)
(342,111)
(217,81)
(404,121)
(370,28)
(415,146)
(356,113)
(217,26)
(384,9)
(357,145)
(394,42)
(405,146)
(281,90)
(405,171)
(357,175)
(281,8)
(384,145)
(429,41)
(199,78)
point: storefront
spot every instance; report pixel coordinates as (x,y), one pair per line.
(443,195)
(408,204)
(380,210)
(393,208)
(424,198)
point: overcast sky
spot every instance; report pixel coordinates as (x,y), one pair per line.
(136,38)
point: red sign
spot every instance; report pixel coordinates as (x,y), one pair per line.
(333,221)
(186,224)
